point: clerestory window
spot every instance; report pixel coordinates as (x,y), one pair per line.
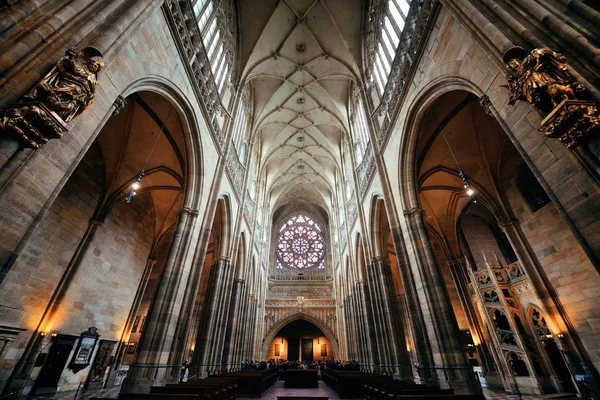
(389,40)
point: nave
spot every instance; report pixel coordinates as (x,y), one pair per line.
(402,193)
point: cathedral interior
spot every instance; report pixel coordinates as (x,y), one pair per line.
(399,197)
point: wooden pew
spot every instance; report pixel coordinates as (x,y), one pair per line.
(253,383)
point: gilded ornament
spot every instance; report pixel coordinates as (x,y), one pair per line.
(64,93)
(542,79)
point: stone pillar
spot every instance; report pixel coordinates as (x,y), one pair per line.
(158,340)
(349,329)
(450,368)
(365,325)
(206,341)
(237,315)
(222,314)
(395,335)
(139,296)
(380,338)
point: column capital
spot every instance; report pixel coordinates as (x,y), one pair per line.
(380,260)
(455,261)
(96,222)
(413,212)
(118,104)
(507,223)
(189,212)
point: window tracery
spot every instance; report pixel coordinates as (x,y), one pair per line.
(300,244)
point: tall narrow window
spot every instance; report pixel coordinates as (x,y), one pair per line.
(212,37)
(389,40)
(240,128)
(360,131)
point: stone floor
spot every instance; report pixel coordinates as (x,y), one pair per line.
(271,394)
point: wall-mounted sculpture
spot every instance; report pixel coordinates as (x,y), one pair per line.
(542,79)
(64,93)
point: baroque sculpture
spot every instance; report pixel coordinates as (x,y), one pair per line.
(542,79)
(64,93)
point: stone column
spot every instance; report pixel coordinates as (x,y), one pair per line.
(380,338)
(450,368)
(158,340)
(351,346)
(392,325)
(222,313)
(237,315)
(205,340)
(250,329)
(365,324)
(139,296)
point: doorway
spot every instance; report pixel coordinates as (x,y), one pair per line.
(58,355)
(294,349)
(307,349)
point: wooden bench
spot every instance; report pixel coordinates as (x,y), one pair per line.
(254,383)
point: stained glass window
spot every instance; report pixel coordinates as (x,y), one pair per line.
(300,244)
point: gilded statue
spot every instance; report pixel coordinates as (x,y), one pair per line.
(64,93)
(541,79)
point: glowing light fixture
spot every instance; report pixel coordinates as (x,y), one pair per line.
(470,192)
(138,179)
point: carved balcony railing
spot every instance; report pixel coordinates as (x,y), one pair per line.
(352,209)
(300,277)
(365,170)
(249,208)
(236,171)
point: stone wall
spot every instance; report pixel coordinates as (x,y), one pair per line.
(27,290)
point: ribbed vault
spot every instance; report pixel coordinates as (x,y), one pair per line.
(301,60)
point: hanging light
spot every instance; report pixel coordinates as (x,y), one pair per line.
(466,185)
(138,179)
(468,189)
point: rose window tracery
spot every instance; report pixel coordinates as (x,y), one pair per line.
(300,244)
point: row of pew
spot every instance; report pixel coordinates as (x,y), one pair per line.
(354,384)
(227,386)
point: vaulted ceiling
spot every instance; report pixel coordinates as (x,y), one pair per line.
(299,61)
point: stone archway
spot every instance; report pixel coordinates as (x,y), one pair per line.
(329,334)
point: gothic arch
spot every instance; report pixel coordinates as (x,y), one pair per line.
(417,110)
(307,317)
(193,181)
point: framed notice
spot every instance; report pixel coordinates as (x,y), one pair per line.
(85,349)
(277,350)
(323,350)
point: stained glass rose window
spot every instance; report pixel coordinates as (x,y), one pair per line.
(300,244)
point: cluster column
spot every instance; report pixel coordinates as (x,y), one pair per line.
(450,367)
(159,339)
